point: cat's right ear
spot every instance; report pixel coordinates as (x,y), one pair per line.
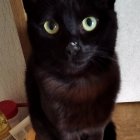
(29,5)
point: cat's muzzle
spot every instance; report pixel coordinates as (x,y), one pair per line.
(73,49)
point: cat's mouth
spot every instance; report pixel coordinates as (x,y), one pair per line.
(75,69)
(76,66)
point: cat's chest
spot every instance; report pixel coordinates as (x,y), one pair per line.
(74,104)
(70,116)
(77,90)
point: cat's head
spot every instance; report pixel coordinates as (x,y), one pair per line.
(72,36)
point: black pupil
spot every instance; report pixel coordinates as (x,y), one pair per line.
(89,22)
(52,25)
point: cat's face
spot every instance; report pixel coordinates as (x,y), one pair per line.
(70,36)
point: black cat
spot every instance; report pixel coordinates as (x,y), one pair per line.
(72,76)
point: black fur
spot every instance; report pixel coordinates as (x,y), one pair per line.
(71,95)
(110,132)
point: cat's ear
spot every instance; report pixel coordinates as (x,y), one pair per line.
(111,3)
(108,3)
(29,5)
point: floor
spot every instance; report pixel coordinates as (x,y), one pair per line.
(127,119)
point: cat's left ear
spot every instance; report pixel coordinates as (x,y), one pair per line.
(108,3)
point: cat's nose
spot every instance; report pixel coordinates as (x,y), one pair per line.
(73,48)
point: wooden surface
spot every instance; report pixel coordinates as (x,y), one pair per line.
(127,119)
(21,24)
(12,64)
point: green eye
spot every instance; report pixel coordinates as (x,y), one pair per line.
(89,24)
(51,27)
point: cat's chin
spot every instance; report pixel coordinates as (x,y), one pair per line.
(75,68)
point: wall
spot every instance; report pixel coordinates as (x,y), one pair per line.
(128,48)
(12,64)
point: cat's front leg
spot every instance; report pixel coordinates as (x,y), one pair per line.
(94,135)
(41,124)
(98,136)
(70,136)
(41,137)
(42,131)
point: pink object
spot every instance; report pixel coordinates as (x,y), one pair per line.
(9,108)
